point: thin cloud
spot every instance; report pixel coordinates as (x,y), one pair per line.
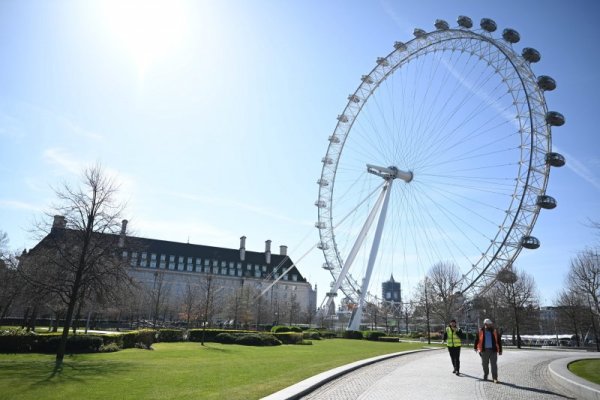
(62,159)
(19,205)
(580,169)
(249,207)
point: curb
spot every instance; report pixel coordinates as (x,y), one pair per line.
(582,388)
(308,385)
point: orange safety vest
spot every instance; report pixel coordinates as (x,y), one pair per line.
(482,339)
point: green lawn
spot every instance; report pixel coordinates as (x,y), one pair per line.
(181,370)
(587,369)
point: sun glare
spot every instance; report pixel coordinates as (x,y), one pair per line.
(147,30)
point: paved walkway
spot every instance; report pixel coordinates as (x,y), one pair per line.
(523,374)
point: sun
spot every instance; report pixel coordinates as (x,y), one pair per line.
(147,30)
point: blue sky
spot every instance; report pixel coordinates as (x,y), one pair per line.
(214,115)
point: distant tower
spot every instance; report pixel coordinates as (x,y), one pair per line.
(391,290)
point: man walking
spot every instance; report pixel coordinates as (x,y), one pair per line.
(453,336)
(489,346)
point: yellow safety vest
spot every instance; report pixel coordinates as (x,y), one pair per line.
(452,338)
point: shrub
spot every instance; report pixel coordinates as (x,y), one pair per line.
(75,344)
(280,329)
(373,335)
(289,337)
(257,339)
(169,335)
(313,335)
(391,339)
(225,338)
(109,348)
(353,335)
(143,337)
(17,341)
(195,335)
(295,329)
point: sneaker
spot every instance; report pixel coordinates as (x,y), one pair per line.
(457,373)
(454,371)
(496,381)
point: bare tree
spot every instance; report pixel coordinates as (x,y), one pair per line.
(11,285)
(444,279)
(516,293)
(423,294)
(79,255)
(571,310)
(584,277)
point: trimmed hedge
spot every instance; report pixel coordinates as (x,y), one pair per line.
(373,335)
(49,343)
(257,339)
(170,335)
(391,339)
(195,335)
(280,329)
(139,339)
(289,337)
(311,334)
(225,338)
(353,335)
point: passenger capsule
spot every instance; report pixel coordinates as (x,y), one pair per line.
(465,22)
(555,118)
(546,83)
(531,55)
(488,25)
(400,46)
(419,33)
(547,202)
(507,276)
(441,25)
(511,36)
(555,159)
(530,242)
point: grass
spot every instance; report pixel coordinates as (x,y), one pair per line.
(587,369)
(181,370)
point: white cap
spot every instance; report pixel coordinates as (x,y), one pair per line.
(487,321)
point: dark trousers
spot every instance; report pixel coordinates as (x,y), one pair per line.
(455,357)
(489,357)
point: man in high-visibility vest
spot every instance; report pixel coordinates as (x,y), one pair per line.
(453,336)
(488,344)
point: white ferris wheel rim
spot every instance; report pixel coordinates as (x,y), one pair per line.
(531,178)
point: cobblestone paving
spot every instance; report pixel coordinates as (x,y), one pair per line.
(523,375)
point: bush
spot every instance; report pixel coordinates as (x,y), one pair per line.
(391,339)
(109,348)
(289,337)
(295,329)
(280,329)
(17,341)
(353,335)
(313,335)
(373,335)
(195,335)
(75,344)
(257,339)
(143,337)
(169,335)
(225,338)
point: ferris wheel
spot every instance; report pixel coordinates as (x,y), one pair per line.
(442,154)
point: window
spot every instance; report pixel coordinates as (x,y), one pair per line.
(294,277)
(239,272)
(215,270)
(153,256)
(124,255)
(171,262)
(163,257)
(152,263)
(133,259)
(198,261)
(257,273)
(206,261)
(206,269)
(285,277)
(239,265)
(171,258)
(143,262)
(223,264)
(223,270)
(162,264)
(215,263)
(231,271)
(144,255)
(264,268)
(190,264)
(249,266)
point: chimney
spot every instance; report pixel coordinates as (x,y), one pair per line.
(283,250)
(268,251)
(243,248)
(123,233)
(59,222)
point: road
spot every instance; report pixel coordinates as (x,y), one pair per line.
(523,374)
